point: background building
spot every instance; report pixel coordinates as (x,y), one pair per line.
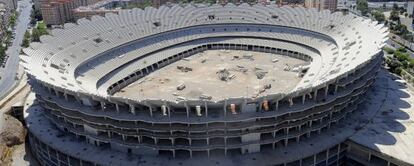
(322,4)
(58,12)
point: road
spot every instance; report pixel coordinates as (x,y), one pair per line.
(8,73)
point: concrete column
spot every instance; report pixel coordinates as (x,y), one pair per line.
(191,154)
(189,141)
(208,141)
(49,89)
(261,106)
(286,141)
(132,108)
(369,157)
(187,109)
(327,156)
(102,105)
(208,153)
(310,123)
(315,94)
(290,102)
(66,96)
(150,108)
(123,137)
(139,139)
(326,90)
(172,141)
(336,88)
(225,107)
(109,134)
(117,108)
(56,92)
(206,108)
(303,99)
(169,111)
(297,139)
(277,105)
(155,141)
(314,159)
(173,153)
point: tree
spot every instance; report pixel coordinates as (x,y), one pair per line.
(379,16)
(362,5)
(39,31)
(26,40)
(395,16)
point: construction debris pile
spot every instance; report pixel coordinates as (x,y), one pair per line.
(184,69)
(260,73)
(225,75)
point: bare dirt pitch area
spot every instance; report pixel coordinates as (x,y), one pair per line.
(218,74)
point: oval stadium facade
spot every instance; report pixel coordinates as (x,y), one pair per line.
(192,84)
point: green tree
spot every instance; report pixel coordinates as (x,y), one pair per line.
(362,5)
(379,16)
(26,40)
(395,16)
(39,31)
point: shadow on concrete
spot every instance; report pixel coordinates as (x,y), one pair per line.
(391,102)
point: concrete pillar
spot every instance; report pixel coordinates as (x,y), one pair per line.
(150,108)
(187,109)
(208,141)
(66,96)
(173,153)
(56,92)
(336,88)
(315,94)
(123,137)
(297,139)
(326,90)
(155,140)
(327,156)
(172,141)
(225,107)
(303,99)
(102,105)
(277,105)
(117,108)
(286,142)
(49,89)
(314,159)
(369,157)
(132,108)
(261,106)
(191,154)
(208,153)
(206,108)
(139,139)
(109,134)
(290,102)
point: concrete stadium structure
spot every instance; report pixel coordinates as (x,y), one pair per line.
(96,103)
